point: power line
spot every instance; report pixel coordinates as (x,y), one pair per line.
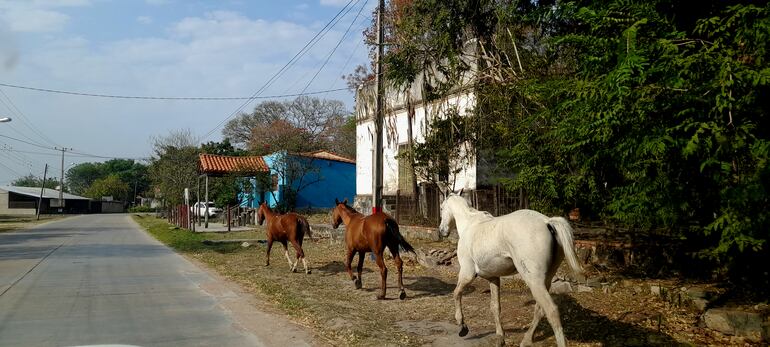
(73,153)
(275,76)
(27,142)
(87,155)
(11,126)
(337,46)
(313,45)
(146,97)
(347,62)
(31,152)
(25,120)
(11,170)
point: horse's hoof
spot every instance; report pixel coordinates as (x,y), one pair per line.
(293,270)
(463,330)
(380,297)
(358,284)
(308,272)
(267,264)
(402,296)
(500,341)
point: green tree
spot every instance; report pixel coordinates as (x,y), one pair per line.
(111,185)
(174,166)
(80,177)
(648,115)
(34,181)
(299,125)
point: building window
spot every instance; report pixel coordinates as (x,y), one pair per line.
(405,172)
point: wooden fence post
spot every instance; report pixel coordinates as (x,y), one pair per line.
(398,206)
(228,217)
(496,197)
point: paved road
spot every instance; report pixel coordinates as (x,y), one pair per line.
(99,279)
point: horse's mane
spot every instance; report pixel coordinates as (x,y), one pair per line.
(350,209)
(472,212)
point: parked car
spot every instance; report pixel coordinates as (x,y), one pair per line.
(201,206)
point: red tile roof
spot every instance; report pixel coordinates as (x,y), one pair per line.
(222,164)
(323,154)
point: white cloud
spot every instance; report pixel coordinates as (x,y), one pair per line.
(37,15)
(334,2)
(144,19)
(35,20)
(215,54)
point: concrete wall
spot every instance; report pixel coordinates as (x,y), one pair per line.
(331,179)
(4,210)
(334,179)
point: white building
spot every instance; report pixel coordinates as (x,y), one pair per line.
(397,105)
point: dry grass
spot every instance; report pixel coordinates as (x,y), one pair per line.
(10,223)
(327,302)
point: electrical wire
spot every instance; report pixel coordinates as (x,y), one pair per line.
(291,87)
(146,97)
(27,142)
(275,76)
(25,120)
(336,46)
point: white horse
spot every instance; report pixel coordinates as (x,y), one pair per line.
(524,241)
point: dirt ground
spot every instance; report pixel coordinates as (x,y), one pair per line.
(326,301)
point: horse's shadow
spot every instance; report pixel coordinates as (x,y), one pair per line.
(337,267)
(585,325)
(426,286)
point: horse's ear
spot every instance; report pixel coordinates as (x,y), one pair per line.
(461,191)
(345,201)
(336,202)
(442,188)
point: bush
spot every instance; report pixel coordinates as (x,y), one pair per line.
(139,209)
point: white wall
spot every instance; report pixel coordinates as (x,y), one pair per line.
(395,132)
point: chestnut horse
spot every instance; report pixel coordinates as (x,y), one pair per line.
(371,234)
(284,228)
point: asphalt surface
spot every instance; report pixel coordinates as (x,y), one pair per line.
(99,279)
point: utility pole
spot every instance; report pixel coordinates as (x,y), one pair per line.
(61,179)
(377,184)
(42,187)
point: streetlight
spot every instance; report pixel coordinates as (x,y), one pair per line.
(5,119)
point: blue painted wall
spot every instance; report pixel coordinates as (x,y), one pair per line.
(331,179)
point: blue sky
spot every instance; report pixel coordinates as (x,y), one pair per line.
(155,48)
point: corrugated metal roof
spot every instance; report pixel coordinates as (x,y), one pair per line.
(222,164)
(323,154)
(47,193)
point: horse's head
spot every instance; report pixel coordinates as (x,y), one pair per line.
(261,212)
(339,207)
(447,215)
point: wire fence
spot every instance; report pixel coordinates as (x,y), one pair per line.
(424,209)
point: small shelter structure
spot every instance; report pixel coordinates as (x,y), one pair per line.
(210,165)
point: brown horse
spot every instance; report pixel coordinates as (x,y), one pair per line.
(371,234)
(289,227)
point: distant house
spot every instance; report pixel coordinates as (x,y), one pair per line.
(24,200)
(317,178)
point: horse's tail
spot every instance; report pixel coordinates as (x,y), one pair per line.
(392,228)
(306,229)
(563,232)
